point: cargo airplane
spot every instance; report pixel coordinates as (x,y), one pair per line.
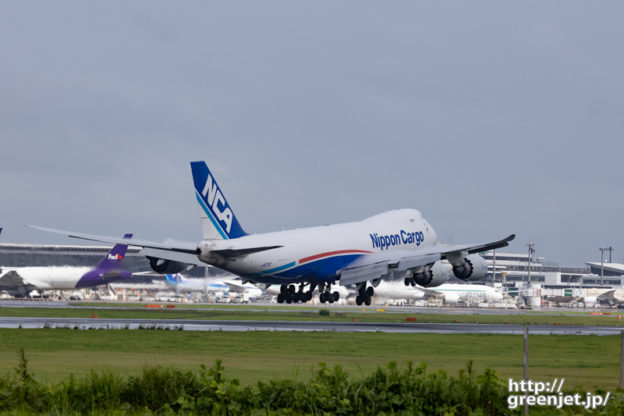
(394,245)
(20,281)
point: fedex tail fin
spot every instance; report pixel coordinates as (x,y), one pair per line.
(217,218)
(115,256)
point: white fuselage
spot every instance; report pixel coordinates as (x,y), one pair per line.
(318,253)
(454,292)
(213,285)
(50,278)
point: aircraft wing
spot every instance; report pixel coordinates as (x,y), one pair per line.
(236,288)
(379,265)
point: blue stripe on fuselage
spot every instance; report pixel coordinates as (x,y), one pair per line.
(278,269)
(321,270)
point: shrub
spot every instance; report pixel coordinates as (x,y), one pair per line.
(391,390)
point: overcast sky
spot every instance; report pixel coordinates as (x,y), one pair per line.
(490,117)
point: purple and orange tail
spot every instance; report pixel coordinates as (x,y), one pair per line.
(115,256)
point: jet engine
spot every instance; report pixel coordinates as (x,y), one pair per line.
(166,266)
(430,275)
(451,298)
(472,267)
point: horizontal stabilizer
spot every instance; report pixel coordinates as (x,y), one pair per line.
(181,247)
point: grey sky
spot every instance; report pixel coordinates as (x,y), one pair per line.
(489,117)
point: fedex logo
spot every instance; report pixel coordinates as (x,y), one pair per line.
(114,256)
(214,199)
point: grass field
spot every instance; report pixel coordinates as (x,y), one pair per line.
(588,362)
(271,314)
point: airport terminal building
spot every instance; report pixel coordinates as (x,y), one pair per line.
(512,270)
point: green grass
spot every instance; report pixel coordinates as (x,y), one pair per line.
(588,362)
(271,314)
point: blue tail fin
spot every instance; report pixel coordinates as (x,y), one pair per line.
(217,218)
(173,279)
(115,256)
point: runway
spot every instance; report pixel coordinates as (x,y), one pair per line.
(320,326)
(263,307)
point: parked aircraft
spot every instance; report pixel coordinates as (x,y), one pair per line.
(20,281)
(398,244)
(451,293)
(212,284)
(614,297)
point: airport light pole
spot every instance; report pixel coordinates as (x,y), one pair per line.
(493,267)
(610,253)
(602,250)
(531,251)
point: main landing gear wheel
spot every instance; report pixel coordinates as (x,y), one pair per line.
(329,297)
(365,295)
(290,294)
(326,297)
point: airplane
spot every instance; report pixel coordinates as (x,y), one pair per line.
(450,292)
(398,244)
(20,281)
(183,284)
(614,297)
(453,292)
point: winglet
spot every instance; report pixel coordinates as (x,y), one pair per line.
(494,245)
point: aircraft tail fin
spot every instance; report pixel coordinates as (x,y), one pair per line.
(173,279)
(217,218)
(115,256)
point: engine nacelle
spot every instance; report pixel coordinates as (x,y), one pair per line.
(431,276)
(166,266)
(473,267)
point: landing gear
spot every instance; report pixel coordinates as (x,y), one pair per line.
(327,295)
(364,295)
(290,294)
